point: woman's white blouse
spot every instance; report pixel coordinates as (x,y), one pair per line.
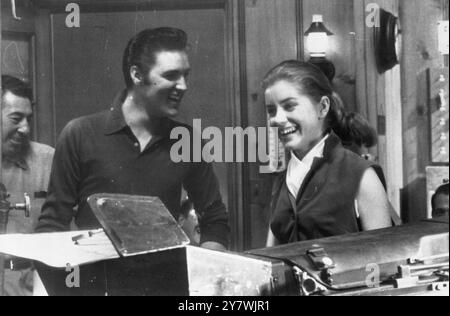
(298,169)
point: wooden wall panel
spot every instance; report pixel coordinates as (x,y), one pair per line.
(338,18)
(26,14)
(419,24)
(378,97)
(389,112)
(23,32)
(270,38)
(36,23)
(45,118)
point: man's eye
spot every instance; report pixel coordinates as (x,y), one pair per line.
(271,110)
(15,119)
(172,76)
(440,212)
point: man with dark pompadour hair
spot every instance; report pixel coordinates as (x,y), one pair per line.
(126,149)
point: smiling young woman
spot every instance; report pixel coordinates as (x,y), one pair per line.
(327,190)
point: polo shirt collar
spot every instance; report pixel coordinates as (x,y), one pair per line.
(115,121)
(22,163)
(19,163)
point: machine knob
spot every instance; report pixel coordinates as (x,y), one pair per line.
(25,207)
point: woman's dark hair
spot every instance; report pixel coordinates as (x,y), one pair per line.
(310,80)
(356,130)
(142,48)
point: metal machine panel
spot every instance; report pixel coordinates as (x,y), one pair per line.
(404,260)
(368,259)
(213,273)
(137,224)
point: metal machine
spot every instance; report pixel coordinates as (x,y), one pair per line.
(146,253)
(5,208)
(404,260)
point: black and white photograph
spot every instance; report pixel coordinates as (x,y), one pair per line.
(240,150)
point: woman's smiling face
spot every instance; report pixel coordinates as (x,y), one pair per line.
(300,120)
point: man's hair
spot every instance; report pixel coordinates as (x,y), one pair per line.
(16,87)
(142,48)
(443,189)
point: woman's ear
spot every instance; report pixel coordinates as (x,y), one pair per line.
(324,107)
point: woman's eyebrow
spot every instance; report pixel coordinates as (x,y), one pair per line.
(287,100)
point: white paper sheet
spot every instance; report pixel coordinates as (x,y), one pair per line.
(58,249)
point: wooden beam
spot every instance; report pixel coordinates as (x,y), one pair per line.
(235,70)
(271,36)
(360,57)
(129,5)
(2,259)
(25,24)
(419,24)
(379,99)
(44,111)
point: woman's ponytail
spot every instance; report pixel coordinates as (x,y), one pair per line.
(349,126)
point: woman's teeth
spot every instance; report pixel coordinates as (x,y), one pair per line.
(288,131)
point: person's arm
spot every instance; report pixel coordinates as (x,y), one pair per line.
(272,241)
(203,190)
(57,211)
(373,203)
(212,245)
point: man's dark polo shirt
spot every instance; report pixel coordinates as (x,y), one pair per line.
(100,154)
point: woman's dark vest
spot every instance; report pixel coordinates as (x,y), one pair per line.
(325,205)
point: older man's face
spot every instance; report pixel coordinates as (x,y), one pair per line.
(16,117)
(441,205)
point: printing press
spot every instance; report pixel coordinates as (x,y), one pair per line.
(146,253)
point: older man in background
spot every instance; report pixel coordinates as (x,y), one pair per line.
(26,168)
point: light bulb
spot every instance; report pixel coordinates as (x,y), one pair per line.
(317,44)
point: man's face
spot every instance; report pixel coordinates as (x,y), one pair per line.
(191,227)
(16,116)
(165,84)
(441,205)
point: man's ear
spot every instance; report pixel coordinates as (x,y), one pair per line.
(136,75)
(325,105)
(181,220)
